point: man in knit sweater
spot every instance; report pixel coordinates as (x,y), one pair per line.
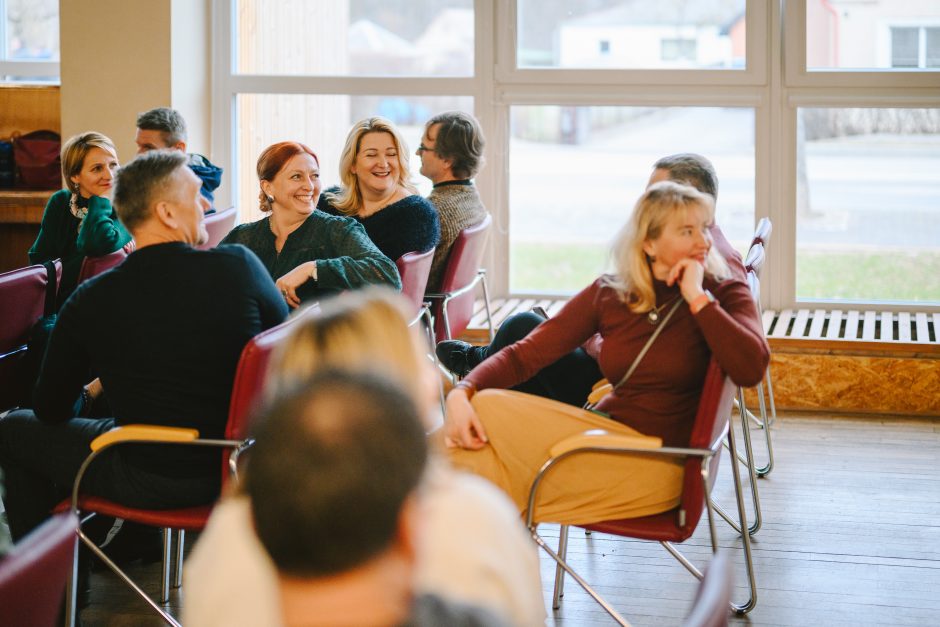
(451,152)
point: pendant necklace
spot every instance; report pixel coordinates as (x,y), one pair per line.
(653,315)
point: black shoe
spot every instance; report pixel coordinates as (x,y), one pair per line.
(135,542)
(459,357)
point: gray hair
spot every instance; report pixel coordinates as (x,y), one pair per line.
(138,183)
(167,121)
(459,140)
(691,169)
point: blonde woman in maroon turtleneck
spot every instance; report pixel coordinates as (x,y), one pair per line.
(663,257)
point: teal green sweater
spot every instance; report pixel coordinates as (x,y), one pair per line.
(346,257)
(60,238)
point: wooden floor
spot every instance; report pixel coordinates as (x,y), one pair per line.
(850,537)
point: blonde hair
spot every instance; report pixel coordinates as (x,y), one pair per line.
(366,330)
(348,200)
(632,277)
(76,148)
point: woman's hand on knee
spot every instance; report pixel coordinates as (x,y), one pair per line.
(462,426)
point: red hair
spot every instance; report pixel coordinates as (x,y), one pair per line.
(272,160)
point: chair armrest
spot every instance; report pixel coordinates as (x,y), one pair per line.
(143,433)
(599,439)
(601,389)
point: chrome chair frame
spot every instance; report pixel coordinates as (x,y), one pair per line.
(445,298)
(169,540)
(706,455)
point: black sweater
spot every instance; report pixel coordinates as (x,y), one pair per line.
(164,331)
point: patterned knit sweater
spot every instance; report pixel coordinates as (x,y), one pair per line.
(458,205)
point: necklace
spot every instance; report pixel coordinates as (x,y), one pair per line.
(653,315)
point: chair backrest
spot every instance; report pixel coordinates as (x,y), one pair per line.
(712,603)
(93,266)
(218,225)
(463,263)
(22,301)
(762,233)
(250,374)
(414,268)
(755,259)
(34,573)
(711,423)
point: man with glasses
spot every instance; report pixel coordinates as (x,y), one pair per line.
(451,153)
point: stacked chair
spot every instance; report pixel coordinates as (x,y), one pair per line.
(452,307)
(25,295)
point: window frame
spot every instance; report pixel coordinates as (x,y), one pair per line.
(47,71)
(774,83)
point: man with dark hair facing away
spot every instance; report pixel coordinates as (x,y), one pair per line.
(334,483)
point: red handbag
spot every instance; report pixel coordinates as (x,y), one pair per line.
(38,160)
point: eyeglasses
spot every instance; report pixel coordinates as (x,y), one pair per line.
(423,148)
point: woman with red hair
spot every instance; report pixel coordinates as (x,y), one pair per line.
(308,253)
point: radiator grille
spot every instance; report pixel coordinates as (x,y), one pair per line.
(866,326)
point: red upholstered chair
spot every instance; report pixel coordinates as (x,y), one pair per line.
(452,307)
(676,525)
(218,225)
(246,392)
(710,608)
(33,575)
(414,269)
(93,266)
(22,303)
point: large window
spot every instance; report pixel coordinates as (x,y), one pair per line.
(874,34)
(29,40)
(356,37)
(626,34)
(868,205)
(820,114)
(575,173)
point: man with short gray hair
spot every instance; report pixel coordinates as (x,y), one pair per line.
(165,128)
(142,328)
(451,153)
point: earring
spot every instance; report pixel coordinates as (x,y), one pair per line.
(269,198)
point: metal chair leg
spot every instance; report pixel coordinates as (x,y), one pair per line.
(167,553)
(766,422)
(770,394)
(179,542)
(486,303)
(746,460)
(130,582)
(748,605)
(559,571)
(587,588)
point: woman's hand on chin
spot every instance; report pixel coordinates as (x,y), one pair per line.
(462,426)
(689,273)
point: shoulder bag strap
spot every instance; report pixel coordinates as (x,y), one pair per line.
(646,347)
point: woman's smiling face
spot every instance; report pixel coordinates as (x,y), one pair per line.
(377,167)
(296,187)
(96,178)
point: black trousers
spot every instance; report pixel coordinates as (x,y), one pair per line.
(568,380)
(40,462)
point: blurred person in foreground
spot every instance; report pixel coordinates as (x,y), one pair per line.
(472,547)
